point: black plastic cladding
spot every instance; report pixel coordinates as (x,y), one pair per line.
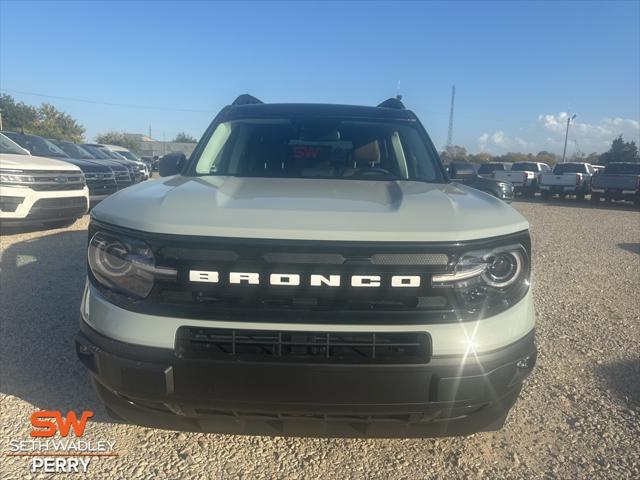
(274,304)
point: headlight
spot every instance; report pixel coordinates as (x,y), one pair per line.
(488,281)
(15,177)
(125,265)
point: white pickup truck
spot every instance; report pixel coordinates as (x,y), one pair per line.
(573,178)
(523,176)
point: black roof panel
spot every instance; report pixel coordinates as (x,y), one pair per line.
(314,110)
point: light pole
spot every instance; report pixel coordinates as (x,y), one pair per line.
(566,137)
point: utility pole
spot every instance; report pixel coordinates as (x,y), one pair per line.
(566,137)
(450,133)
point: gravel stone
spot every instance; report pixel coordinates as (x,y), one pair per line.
(578,415)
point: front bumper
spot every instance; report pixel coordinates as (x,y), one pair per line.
(35,207)
(449,395)
(617,193)
(565,188)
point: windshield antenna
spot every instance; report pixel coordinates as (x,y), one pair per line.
(398,94)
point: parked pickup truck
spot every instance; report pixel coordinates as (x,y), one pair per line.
(487,169)
(573,178)
(619,181)
(523,176)
(310,270)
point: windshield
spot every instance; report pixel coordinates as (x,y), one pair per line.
(96,152)
(75,151)
(569,168)
(319,148)
(37,145)
(111,154)
(128,155)
(8,146)
(525,167)
(491,167)
(622,169)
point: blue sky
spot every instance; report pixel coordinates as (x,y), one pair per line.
(518,67)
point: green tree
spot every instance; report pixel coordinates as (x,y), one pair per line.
(513,157)
(120,139)
(183,137)
(46,120)
(52,123)
(620,151)
(481,157)
(454,153)
(547,157)
(16,116)
(593,158)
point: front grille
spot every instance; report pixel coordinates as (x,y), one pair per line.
(192,296)
(52,187)
(102,186)
(47,180)
(123,179)
(52,208)
(296,346)
(100,176)
(266,302)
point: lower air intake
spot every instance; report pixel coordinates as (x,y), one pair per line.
(295,346)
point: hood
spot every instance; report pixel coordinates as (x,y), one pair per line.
(33,162)
(310,209)
(88,165)
(111,163)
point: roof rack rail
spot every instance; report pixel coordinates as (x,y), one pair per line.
(246,99)
(392,103)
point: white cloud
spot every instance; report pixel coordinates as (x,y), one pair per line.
(499,141)
(548,134)
(589,136)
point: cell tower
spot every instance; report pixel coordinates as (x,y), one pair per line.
(450,134)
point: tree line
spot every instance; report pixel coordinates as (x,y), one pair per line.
(620,151)
(45,120)
(49,122)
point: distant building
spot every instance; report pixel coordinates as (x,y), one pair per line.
(149,147)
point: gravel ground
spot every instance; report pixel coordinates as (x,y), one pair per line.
(578,415)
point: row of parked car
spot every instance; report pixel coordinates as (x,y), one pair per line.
(614,182)
(54,181)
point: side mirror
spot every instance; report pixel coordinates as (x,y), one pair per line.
(171,164)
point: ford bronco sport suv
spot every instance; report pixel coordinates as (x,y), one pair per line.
(310,270)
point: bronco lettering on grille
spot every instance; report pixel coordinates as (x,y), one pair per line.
(313,280)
